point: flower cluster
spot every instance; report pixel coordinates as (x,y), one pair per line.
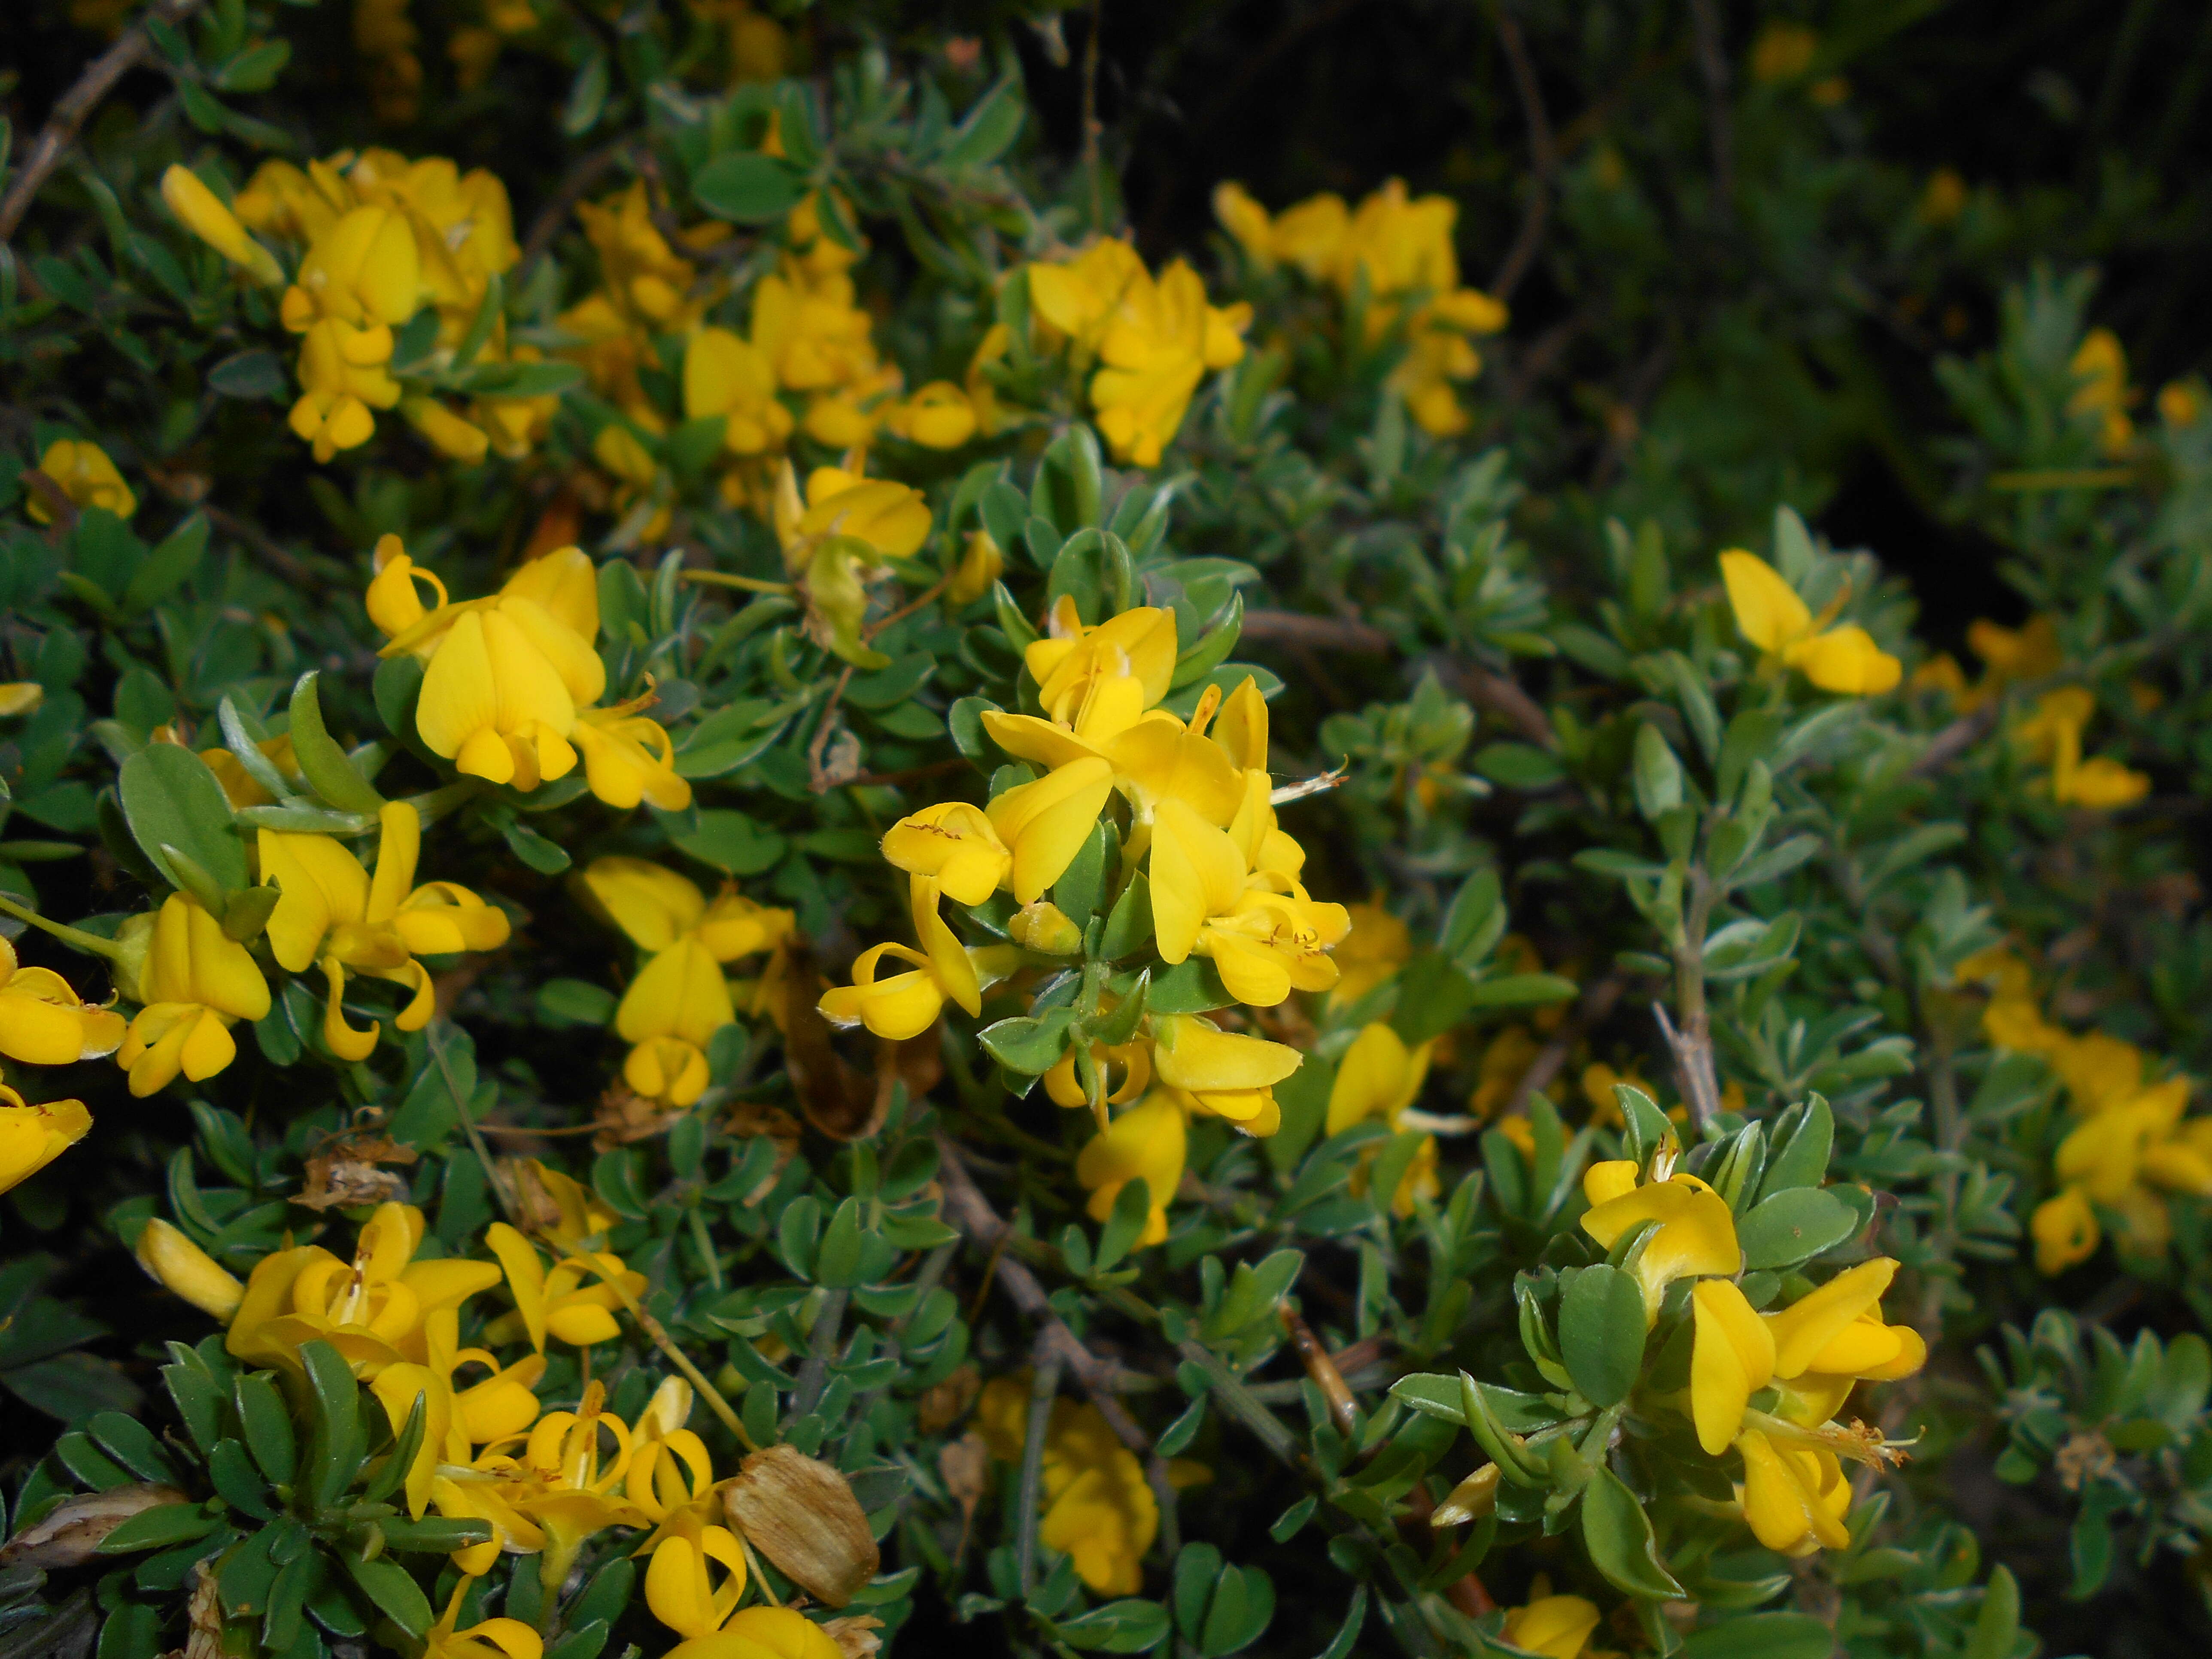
(379,239)
(2052,736)
(1393,262)
(679,999)
(511,682)
(1152,339)
(1811,1355)
(1156,836)
(2133,1144)
(540,1482)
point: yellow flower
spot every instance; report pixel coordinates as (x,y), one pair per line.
(1818,1350)
(979,568)
(678,1590)
(342,378)
(938,416)
(679,999)
(365,271)
(1130,1062)
(1224,1073)
(628,757)
(196,983)
(1098,1509)
(672,1478)
(202,212)
(86,476)
(728,376)
(2053,733)
(1097,680)
(1044,824)
(490,1638)
(43,1022)
(504,675)
(1144,1143)
(2065,1230)
(1774,619)
(758,1632)
(1075,299)
(565,1487)
(2181,403)
(907,1004)
(1505,1059)
(333,912)
(648,282)
(1162,338)
(173,1262)
(371,1309)
(1377,944)
(572,1302)
(450,434)
(1556,1627)
(1944,199)
(892,519)
(954,842)
(20,697)
(1312,235)
(1379,1078)
(1696,1235)
(1795,1497)
(31,1136)
(2101,371)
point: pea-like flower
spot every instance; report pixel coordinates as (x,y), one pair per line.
(333,913)
(44,1023)
(31,1136)
(1145,1143)
(87,475)
(488,1638)
(907,1004)
(196,982)
(727,375)
(1379,1077)
(173,1262)
(1695,1236)
(1773,618)
(1224,1073)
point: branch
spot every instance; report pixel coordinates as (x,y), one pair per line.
(1712,60)
(1597,1000)
(73,106)
(967,1208)
(1543,157)
(1953,740)
(581,180)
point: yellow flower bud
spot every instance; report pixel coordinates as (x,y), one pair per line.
(173,1260)
(202,212)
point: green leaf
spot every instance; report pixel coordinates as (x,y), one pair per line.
(268,1427)
(541,853)
(1802,1147)
(1658,774)
(1602,1334)
(330,771)
(728,738)
(989,129)
(1029,1045)
(256,375)
(1998,1624)
(574,1002)
(167,566)
(1521,990)
(1770,1635)
(1794,1225)
(1434,995)
(837,1261)
(731,843)
(1517,765)
(1131,1625)
(1618,1535)
(335,1444)
(170,797)
(748,188)
(158,1527)
(394,1591)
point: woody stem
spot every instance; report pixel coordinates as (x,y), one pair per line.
(1044,1386)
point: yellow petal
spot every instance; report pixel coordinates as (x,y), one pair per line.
(1196,872)
(1846,660)
(1802,1330)
(1767,609)
(1732,1360)
(1046,823)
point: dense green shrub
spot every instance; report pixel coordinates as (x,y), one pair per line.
(928,867)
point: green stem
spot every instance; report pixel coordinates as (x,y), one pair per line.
(75,938)
(1044,1385)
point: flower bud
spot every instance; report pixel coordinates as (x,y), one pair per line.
(203,213)
(1043,928)
(1473,1499)
(801,1513)
(168,1256)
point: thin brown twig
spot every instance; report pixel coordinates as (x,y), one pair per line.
(1321,1367)
(1093,131)
(1712,61)
(289,566)
(1543,156)
(582,179)
(906,610)
(817,779)
(1953,740)
(1597,999)
(70,110)
(905,775)
(967,1208)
